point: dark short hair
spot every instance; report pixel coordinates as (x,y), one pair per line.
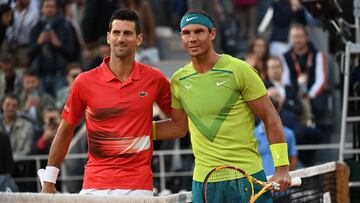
(51,108)
(10,96)
(299,26)
(4,8)
(200,11)
(30,72)
(126,14)
(6,58)
(57,5)
(277,58)
(252,45)
(73,65)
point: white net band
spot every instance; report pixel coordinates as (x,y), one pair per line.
(76,198)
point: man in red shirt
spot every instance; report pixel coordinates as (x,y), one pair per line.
(117,98)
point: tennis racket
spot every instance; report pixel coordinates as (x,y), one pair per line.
(231,184)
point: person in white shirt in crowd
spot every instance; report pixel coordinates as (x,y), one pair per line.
(306,68)
(287,91)
(25,17)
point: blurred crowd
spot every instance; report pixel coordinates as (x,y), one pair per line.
(45,44)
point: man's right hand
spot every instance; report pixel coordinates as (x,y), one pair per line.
(48,188)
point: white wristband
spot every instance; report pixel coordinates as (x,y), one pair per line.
(50,174)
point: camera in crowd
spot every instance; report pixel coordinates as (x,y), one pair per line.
(53,121)
(48,27)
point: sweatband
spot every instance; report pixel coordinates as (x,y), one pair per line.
(196,18)
(50,174)
(279,153)
(153,130)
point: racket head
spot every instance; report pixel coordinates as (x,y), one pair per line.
(231,182)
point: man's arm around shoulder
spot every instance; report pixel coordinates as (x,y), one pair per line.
(173,128)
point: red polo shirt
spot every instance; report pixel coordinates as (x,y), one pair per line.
(118,124)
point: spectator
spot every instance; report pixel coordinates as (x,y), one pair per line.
(93,56)
(51,122)
(303,134)
(148,52)
(6,157)
(7,184)
(73,70)
(21,134)
(246,11)
(72,18)
(19,130)
(10,78)
(51,47)
(144,10)
(264,149)
(306,68)
(25,18)
(26,15)
(96,12)
(262,8)
(285,13)
(33,100)
(274,79)
(257,55)
(6,20)
(178,8)
(263,143)
(103,49)
(76,8)
(8,2)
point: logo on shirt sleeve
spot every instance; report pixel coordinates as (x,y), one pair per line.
(143,94)
(188,86)
(221,83)
(66,108)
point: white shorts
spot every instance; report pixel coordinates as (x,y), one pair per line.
(116,192)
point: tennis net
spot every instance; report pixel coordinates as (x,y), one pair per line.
(327,183)
(61,198)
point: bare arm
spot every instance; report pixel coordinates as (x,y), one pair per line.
(293,162)
(264,109)
(58,150)
(173,128)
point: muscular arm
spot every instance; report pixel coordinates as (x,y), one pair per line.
(60,145)
(264,109)
(58,150)
(293,162)
(176,127)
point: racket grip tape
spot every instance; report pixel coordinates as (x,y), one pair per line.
(296,181)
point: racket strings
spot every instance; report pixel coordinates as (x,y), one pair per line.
(230,184)
(225,174)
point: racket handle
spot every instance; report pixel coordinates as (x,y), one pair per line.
(296,181)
